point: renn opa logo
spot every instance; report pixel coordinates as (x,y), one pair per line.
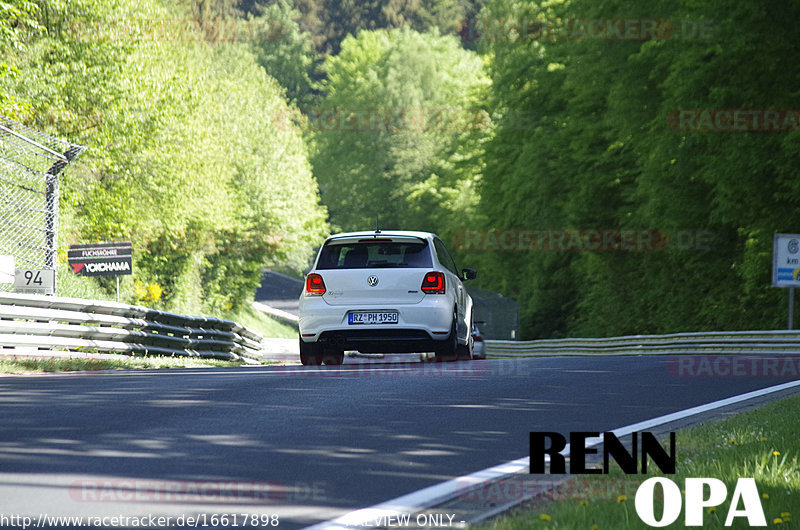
(699,493)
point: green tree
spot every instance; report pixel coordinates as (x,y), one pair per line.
(186,157)
(585,138)
(17,18)
(287,54)
(396,102)
(18,22)
(330,21)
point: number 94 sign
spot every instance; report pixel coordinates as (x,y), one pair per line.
(32,281)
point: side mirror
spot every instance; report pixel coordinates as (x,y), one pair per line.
(468,274)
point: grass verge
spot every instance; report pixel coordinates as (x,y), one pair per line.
(56,364)
(763,443)
(74,286)
(261,323)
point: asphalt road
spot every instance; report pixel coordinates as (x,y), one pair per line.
(305,444)
(280,291)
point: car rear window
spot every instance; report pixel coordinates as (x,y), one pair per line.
(380,254)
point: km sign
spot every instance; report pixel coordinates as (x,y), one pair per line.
(101,259)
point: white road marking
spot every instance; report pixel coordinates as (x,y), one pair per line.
(418,501)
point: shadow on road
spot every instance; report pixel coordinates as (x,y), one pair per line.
(308,442)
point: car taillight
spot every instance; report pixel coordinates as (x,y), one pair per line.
(433,283)
(477,338)
(314,285)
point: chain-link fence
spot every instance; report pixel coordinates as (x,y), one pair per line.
(30,162)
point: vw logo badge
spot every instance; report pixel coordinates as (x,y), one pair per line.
(372,281)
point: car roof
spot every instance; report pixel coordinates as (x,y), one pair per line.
(382,233)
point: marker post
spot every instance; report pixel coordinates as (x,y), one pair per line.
(786,267)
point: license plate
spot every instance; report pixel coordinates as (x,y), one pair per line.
(373,317)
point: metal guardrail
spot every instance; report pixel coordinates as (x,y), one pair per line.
(727,342)
(47,322)
(278,314)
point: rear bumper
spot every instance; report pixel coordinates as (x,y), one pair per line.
(420,326)
(381,340)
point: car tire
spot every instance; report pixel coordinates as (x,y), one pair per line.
(310,353)
(449,350)
(333,359)
(310,360)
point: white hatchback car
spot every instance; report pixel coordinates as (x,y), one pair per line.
(385,292)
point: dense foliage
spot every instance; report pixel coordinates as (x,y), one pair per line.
(186,157)
(329,22)
(615,167)
(388,132)
(589,136)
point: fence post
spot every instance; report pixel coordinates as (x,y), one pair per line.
(51,207)
(30,163)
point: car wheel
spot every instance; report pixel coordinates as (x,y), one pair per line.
(310,360)
(310,353)
(332,359)
(449,350)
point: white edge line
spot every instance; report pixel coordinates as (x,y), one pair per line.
(414,502)
(427,497)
